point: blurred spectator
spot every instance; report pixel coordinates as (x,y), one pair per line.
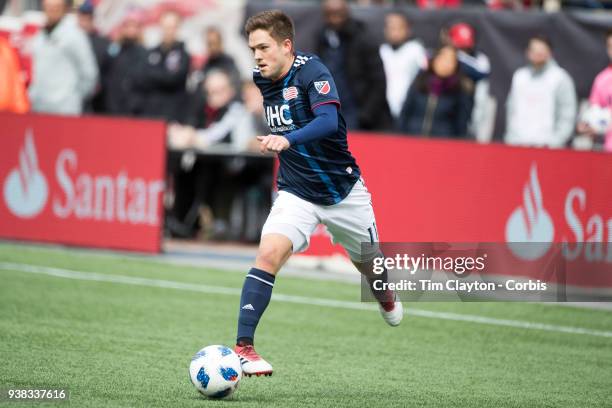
(601,96)
(222,121)
(216,58)
(165,73)
(126,60)
(402,59)
(439,102)
(587,4)
(374,2)
(100,44)
(347,49)
(541,106)
(13,95)
(221,118)
(65,71)
(509,4)
(253,102)
(437,4)
(476,66)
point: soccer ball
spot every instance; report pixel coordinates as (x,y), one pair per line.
(215,371)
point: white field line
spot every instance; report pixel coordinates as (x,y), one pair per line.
(340,304)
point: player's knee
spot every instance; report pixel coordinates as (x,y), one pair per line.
(270,258)
(365,262)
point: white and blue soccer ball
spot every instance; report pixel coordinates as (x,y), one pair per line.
(215,371)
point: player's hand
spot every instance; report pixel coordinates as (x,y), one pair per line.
(273,143)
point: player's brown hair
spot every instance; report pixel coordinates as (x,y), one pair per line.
(275,22)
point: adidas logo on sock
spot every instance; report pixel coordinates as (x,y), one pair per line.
(248,307)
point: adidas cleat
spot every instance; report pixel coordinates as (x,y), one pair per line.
(252,363)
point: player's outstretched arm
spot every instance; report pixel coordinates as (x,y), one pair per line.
(324,124)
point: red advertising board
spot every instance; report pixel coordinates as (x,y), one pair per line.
(450,191)
(82,181)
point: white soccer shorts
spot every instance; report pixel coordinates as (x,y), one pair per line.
(351,222)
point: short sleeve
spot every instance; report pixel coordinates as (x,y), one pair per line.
(320,85)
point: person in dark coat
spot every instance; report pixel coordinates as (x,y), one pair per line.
(165,74)
(126,58)
(347,49)
(99,44)
(439,102)
(217,59)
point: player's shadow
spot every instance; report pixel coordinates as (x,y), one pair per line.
(331,396)
(235,399)
(220,402)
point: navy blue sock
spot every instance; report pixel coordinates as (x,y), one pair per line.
(256,294)
(384,297)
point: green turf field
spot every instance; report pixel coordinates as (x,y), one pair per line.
(121,332)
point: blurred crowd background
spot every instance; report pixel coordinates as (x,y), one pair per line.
(186,62)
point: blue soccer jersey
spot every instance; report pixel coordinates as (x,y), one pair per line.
(322,171)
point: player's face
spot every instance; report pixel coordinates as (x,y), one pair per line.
(272,57)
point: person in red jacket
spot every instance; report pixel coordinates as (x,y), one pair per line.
(13,95)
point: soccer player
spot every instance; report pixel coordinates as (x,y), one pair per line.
(318,179)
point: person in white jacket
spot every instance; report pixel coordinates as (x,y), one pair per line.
(402,59)
(65,72)
(541,106)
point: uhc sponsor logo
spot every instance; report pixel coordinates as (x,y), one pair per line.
(290,93)
(278,115)
(25,188)
(322,87)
